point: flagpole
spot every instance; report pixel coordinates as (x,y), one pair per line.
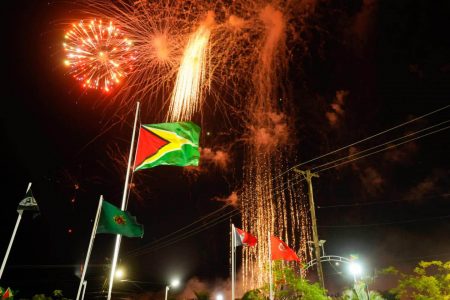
(19,218)
(270,268)
(84,289)
(233,258)
(91,244)
(123,206)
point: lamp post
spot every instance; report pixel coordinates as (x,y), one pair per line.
(173,284)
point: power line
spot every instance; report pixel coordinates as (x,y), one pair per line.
(387,223)
(378,202)
(366,139)
(384,144)
(378,151)
(154,245)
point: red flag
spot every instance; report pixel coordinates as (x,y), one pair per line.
(244,238)
(280,250)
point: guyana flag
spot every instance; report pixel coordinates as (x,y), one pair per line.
(8,294)
(114,220)
(171,144)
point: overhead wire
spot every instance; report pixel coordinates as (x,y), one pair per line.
(154,245)
(378,202)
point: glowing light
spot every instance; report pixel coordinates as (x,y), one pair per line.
(355,269)
(98,54)
(219,297)
(175,283)
(120,273)
(187,96)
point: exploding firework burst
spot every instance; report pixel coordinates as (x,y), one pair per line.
(98,54)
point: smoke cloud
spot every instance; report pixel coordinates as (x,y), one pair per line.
(337,108)
(272,133)
(218,158)
(213,288)
(430,184)
(403,154)
(232,199)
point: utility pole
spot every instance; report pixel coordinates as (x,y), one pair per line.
(312,208)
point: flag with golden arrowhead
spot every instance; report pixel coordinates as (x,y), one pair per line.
(172,144)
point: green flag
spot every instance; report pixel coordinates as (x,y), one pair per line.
(171,144)
(114,220)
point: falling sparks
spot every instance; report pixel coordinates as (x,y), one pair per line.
(238,54)
(187,95)
(97,54)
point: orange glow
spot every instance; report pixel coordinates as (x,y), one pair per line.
(98,55)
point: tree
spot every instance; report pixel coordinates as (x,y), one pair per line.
(253,295)
(429,280)
(201,295)
(288,285)
(360,292)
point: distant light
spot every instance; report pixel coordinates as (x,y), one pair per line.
(119,273)
(175,283)
(219,297)
(355,269)
(69,230)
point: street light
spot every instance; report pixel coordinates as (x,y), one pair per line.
(355,269)
(219,297)
(119,273)
(174,283)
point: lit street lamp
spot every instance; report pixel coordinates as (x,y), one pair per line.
(119,273)
(219,297)
(173,284)
(355,269)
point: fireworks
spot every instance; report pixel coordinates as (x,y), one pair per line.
(98,54)
(239,55)
(187,94)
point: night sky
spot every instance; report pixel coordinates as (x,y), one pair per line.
(370,65)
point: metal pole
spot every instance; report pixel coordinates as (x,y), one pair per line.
(124,204)
(84,290)
(167,291)
(270,268)
(19,218)
(91,244)
(233,258)
(308,176)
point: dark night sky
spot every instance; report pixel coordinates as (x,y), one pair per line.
(393,58)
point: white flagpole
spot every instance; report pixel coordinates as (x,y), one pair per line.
(270,268)
(123,206)
(233,258)
(91,244)
(84,290)
(19,218)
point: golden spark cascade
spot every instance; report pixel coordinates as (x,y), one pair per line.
(271,199)
(98,55)
(187,94)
